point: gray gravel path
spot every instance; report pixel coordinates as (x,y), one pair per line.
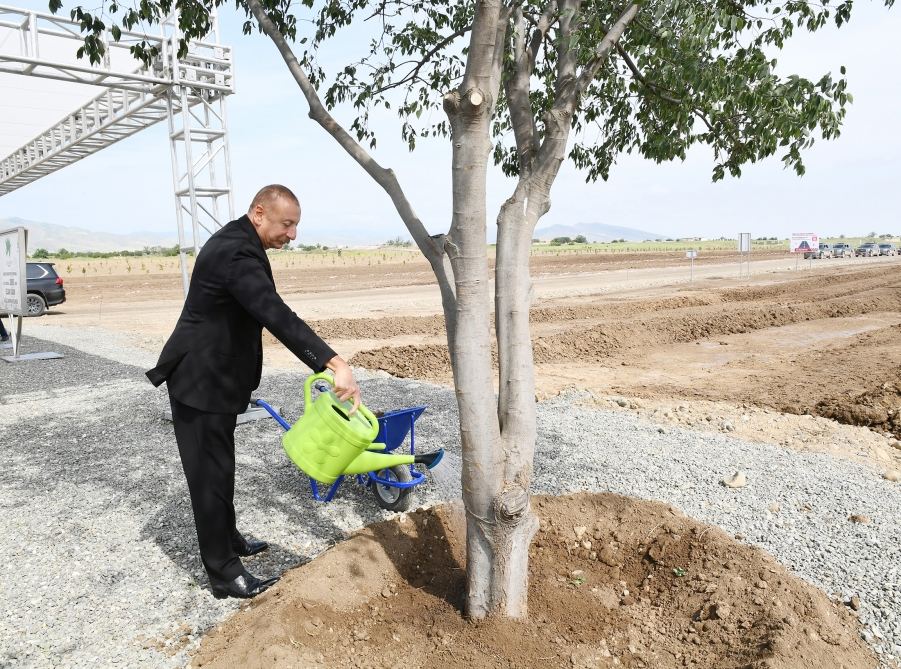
(100,564)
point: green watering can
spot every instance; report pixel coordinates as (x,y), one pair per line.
(328,442)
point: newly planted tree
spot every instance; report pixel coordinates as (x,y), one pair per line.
(526,84)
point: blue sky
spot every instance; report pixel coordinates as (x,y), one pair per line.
(851,185)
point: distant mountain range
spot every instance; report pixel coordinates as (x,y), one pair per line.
(596,232)
(54,237)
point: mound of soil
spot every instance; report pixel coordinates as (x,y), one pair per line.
(879,409)
(614,582)
(879,405)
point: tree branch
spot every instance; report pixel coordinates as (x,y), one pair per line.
(547,19)
(657,90)
(516,88)
(590,70)
(542,26)
(482,66)
(566,55)
(654,88)
(500,47)
(384,177)
(425,59)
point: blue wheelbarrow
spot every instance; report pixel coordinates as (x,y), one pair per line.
(379,465)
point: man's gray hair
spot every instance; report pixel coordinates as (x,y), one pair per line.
(269,194)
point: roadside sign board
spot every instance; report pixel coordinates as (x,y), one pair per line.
(691,254)
(803,242)
(744,242)
(13,290)
(12,271)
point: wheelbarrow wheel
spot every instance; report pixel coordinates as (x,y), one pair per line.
(389,497)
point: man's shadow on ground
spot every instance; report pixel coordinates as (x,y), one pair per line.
(171,527)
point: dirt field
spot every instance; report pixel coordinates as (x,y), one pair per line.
(820,338)
(806,355)
(829,346)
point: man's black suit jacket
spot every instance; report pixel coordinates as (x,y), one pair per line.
(214,358)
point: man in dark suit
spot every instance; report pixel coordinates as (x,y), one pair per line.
(214,360)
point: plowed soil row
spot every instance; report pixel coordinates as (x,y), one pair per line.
(838,286)
(853,377)
(303,275)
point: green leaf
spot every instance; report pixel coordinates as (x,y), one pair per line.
(704,77)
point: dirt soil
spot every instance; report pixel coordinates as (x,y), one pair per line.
(826,345)
(614,582)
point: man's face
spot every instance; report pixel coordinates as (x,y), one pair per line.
(276,222)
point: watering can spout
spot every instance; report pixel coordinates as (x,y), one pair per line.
(430,460)
(377,460)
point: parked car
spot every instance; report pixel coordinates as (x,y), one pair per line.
(868,249)
(888,250)
(825,251)
(842,250)
(44,286)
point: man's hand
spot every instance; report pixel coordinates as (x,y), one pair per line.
(345,385)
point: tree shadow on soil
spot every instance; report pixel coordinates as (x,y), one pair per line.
(424,550)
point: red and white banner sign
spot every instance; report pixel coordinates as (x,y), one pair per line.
(804,242)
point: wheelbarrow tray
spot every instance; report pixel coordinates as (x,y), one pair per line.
(394,426)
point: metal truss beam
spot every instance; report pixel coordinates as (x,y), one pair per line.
(37,35)
(136,98)
(108,118)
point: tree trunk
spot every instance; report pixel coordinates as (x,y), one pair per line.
(516,392)
(499,523)
(471,348)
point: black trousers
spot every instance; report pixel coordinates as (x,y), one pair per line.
(206,443)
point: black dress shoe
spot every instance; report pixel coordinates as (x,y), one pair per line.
(430,460)
(247,547)
(245,586)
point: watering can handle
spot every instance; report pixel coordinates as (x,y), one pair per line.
(322,376)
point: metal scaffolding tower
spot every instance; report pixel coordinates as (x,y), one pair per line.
(189,92)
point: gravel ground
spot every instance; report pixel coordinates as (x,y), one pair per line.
(100,562)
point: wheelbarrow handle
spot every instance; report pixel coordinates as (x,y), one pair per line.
(272,412)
